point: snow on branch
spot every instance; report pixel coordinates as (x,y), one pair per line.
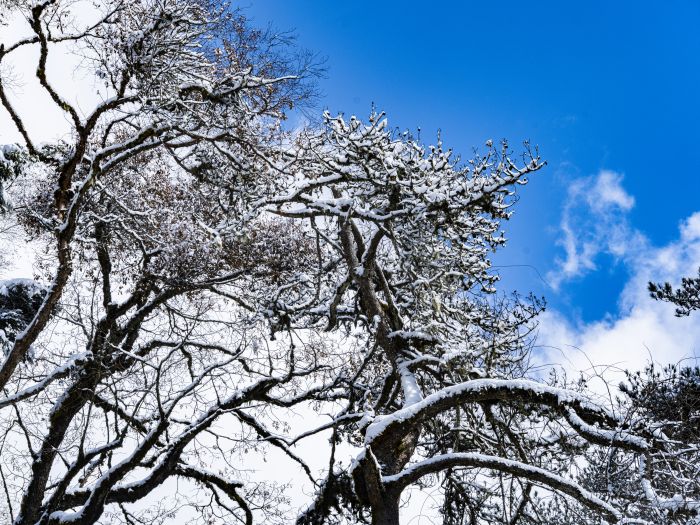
(505,391)
(507,466)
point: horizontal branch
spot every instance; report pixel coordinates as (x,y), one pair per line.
(508,391)
(507,466)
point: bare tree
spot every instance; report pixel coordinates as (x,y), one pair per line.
(203,273)
(441,389)
(131,357)
(651,486)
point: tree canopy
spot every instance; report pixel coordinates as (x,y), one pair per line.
(204,274)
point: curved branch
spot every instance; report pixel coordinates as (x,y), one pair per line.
(508,466)
(516,390)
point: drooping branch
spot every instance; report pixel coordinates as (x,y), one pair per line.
(514,468)
(507,391)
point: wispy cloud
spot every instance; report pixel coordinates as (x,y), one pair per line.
(594,222)
(642,329)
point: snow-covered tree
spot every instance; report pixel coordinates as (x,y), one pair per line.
(651,486)
(439,389)
(686,297)
(122,372)
(203,274)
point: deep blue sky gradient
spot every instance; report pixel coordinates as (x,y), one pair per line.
(597,85)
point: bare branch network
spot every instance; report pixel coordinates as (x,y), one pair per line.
(203,275)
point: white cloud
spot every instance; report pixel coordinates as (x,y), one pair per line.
(643,329)
(690,228)
(594,222)
(607,191)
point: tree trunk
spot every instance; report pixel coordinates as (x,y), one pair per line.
(370,490)
(386,512)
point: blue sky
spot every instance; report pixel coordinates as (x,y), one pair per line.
(597,85)
(608,90)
